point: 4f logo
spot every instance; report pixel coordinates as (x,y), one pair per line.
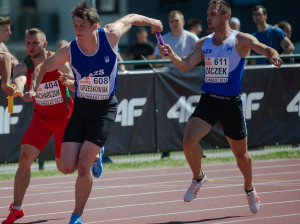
(251,103)
(6,119)
(294,105)
(183,108)
(129,109)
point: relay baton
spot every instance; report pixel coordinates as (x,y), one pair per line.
(160,41)
(10,102)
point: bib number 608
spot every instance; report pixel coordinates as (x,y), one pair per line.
(101,80)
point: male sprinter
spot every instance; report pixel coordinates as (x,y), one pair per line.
(93,59)
(52,109)
(224,52)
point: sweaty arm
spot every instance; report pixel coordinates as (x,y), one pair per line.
(246,41)
(5,70)
(50,64)
(19,78)
(14,60)
(184,63)
(117,29)
(67,77)
(287,46)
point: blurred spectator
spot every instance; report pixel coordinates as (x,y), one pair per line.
(5,32)
(195,26)
(181,41)
(235,23)
(143,47)
(269,35)
(61,43)
(287,28)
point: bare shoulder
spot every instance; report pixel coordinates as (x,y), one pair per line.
(113,32)
(112,28)
(200,42)
(4,56)
(245,37)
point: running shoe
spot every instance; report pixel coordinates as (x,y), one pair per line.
(13,215)
(11,206)
(75,219)
(253,201)
(191,193)
(97,165)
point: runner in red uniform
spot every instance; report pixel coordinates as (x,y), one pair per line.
(52,109)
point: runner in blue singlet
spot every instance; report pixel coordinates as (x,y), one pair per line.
(224,52)
(92,56)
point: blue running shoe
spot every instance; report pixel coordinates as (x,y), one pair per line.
(97,165)
(75,219)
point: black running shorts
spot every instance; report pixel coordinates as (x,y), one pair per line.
(228,110)
(91,120)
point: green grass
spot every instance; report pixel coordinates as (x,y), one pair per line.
(169,162)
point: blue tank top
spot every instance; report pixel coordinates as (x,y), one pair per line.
(95,75)
(223,67)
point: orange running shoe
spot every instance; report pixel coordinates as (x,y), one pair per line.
(13,215)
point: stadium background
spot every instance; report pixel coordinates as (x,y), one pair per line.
(55,19)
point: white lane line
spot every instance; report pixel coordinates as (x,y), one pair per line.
(166,168)
(184,212)
(159,202)
(168,182)
(255,219)
(162,175)
(162,214)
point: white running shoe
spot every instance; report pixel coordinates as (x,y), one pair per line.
(253,201)
(191,193)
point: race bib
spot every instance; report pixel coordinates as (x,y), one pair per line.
(48,93)
(95,88)
(216,70)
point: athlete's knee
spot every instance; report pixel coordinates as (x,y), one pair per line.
(64,171)
(83,168)
(189,143)
(67,168)
(24,162)
(244,157)
(26,158)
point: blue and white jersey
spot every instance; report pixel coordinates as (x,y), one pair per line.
(223,67)
(95,75)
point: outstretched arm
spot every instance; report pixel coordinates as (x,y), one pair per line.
(117,29)
(187,63)
(247,42)
(50,64)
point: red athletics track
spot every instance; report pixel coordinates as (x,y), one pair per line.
(155,196)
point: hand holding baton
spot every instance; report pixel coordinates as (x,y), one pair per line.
(160,41)
(10,103)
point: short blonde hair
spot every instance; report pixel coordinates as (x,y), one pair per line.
(5,20)
(176,12)
(33,31)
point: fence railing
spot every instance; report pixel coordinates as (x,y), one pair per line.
(254,57)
